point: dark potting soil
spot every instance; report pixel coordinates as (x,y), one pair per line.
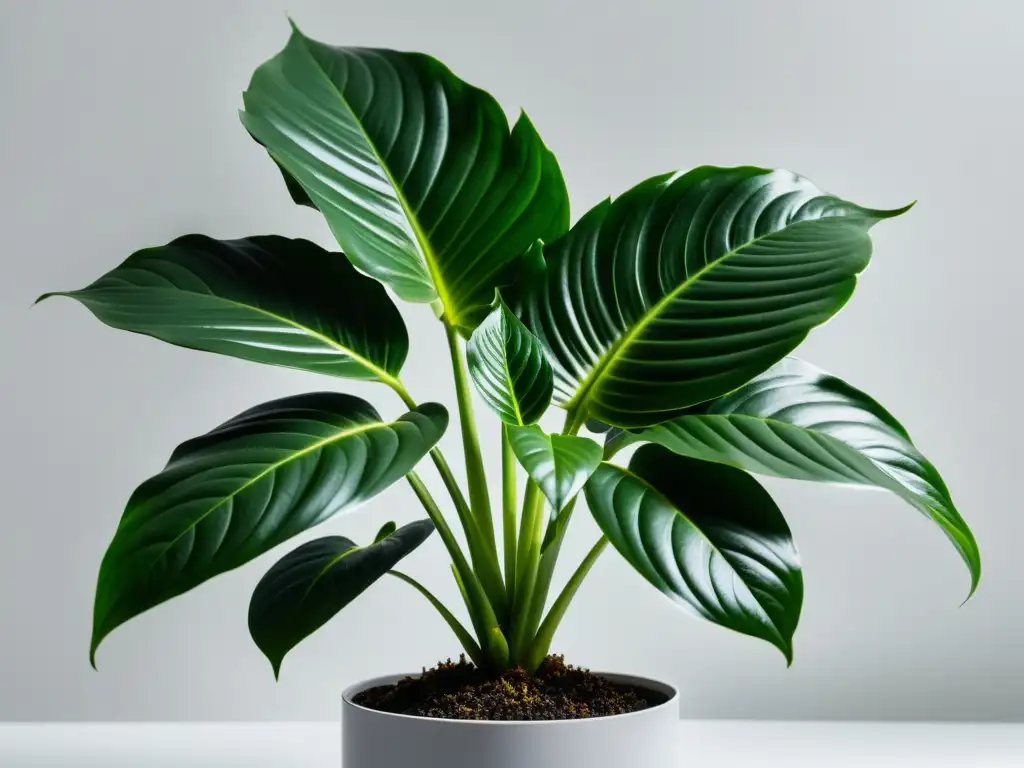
(461,691)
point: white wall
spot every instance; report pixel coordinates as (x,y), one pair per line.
(118,129)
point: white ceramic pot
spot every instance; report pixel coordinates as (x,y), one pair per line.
(372,739)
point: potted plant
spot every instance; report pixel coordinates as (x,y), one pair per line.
(663,318)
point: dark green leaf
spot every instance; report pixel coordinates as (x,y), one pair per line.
(509,367)
(799,422)
(306,588)
(386,530)
(295,190)
(688,286)
(415,171)
(559,464)
(268,299)
(708,536)
(266,475)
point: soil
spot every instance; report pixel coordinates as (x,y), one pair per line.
(461,691)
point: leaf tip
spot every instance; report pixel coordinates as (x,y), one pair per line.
(975,580)
(47,295)
(787,652)
(905,209)
(880,215)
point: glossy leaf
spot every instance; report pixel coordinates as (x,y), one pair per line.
(559,464)
(509,367)
(687,286)
(307,587)
(295,190)
(797,421)
(266,475)
(706,535)
(268,299)
(416,171)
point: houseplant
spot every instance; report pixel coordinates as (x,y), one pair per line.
(665,317)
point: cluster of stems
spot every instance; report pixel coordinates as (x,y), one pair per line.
(504,595)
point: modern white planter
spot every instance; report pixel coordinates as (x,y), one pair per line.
(372,739)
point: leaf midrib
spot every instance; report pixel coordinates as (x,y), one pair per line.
(616,349)
(381,374)
(270,469)
(505,326)
(945,508)
(823,435)
(422,243)
(700,531)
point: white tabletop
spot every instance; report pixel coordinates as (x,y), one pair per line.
(715,743)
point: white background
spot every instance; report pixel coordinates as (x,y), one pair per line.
(118,130)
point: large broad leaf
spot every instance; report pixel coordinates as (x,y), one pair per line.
(266,475)
(509,367)
(559,464)
(307,587)
(415,171)
(799,422)
(708,536)
(688,286)
(267,298)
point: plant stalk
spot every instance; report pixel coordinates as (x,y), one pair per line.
(468,643)
(542,642)
(484,561)
(535,571)
(546,572)
(527,558)
(508,513)
(477,603)
(476,477)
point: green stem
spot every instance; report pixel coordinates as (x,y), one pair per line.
(546,571)
(508,513)
(477,603)
(526,567)
(479,499)
(533,504)
(491,636)
(535,573)
(542,642)
(484,560)
(466,639)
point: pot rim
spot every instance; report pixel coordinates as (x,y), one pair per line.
(616,677)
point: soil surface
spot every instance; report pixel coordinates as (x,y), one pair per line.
(461,691)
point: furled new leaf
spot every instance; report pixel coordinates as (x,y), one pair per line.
(706,535)
(307,587)
(687,286)
(799,422)
(416,171)
(266,475)
(509,367)
(559,464)
(267,298)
